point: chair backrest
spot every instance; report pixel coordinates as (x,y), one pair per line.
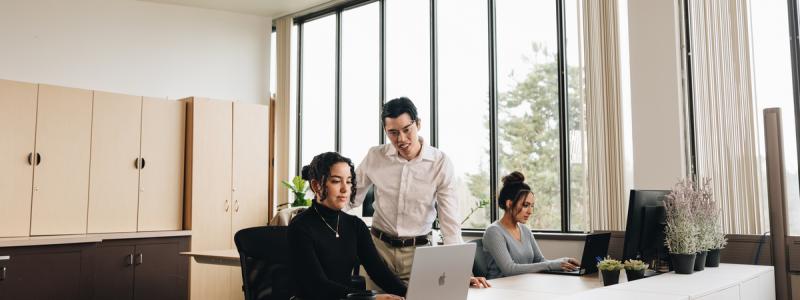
(480,266)
(264,255)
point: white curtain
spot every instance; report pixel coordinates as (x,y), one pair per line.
(607,207)
(725,120)
(283,32)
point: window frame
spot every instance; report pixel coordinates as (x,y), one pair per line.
(563,101)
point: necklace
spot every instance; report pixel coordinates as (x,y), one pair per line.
(336,231)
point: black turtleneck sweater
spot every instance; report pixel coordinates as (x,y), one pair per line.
(322,264)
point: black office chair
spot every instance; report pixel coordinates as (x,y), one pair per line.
(264,255)
(480,267)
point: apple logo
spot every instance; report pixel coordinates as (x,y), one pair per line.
(441,279)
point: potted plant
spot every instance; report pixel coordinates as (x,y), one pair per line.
(609,268)
(299,189)
(634,269)
(706,215)
(715,238)
(718,242)
(681,229)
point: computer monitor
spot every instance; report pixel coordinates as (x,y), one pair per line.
(644,232)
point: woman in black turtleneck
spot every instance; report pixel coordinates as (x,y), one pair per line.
(326,242)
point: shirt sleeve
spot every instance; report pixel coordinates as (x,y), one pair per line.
(447,205)
(538,257)
(363,183)
(495,244)
(374,264)
(306,265)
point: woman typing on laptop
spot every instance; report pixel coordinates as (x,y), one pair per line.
(510,243)
(326,243)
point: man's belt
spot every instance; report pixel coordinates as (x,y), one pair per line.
(398,242)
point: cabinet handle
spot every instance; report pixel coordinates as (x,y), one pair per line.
(3,274)
(144,162)
(139,259)
(136,163)
(236,206)
(30,158)
(38,159)
(227,205)
(130,259)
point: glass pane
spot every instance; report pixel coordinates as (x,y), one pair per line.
(579,213)
(773,88)
(360,80)
(408,55)
(318,88)
(528,102)
(464,103)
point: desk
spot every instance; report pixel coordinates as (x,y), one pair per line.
(729,281)
(227,257)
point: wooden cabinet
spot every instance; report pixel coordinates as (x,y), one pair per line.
(140,269)
(161,178)
(227,186)
(114,176)
(145,268)
(137,164)
(51,272)
(61,175)
(18,131)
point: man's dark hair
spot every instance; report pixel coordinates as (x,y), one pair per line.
(398,106)
(320,169)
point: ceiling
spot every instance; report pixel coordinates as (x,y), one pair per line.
(267,8)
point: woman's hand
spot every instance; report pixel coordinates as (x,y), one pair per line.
(479,282)
(389,297)
(569,264)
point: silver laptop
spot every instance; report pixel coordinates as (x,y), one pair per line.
(441,272)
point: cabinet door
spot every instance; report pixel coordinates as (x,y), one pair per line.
(17,131)
(45,275)
(113,272)
(250,165)
(61,179)
(161,178)
(157,272)
(210,163)
(114,175)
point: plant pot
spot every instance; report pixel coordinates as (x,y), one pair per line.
(700,261)
(683,263)
(610,277)
(634,274)
(712,260)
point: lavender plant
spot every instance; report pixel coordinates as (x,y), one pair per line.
(681,230)
(706,215)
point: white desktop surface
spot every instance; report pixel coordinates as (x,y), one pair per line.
(547,283)
(758,281)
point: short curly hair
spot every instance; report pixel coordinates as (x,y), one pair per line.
(320,169)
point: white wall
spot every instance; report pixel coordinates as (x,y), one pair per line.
(656,94)
(137,48)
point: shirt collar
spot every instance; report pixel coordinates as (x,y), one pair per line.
(426,153)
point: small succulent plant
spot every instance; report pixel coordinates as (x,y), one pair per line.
(635,265)
(609,264)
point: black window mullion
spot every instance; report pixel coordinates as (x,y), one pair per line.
(563,116)
(382,70)
(338,88)
(434,78)
(493,110)
(299,160)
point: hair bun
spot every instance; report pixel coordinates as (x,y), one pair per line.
(514,177)
(306,173)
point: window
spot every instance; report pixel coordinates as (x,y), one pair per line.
(360,81)
(487,91)
(318,88)
(463,123)
(408,56)
(528,115)
(772,75)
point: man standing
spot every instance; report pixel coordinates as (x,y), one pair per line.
(411,180)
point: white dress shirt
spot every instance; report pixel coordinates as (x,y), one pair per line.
(406,191)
